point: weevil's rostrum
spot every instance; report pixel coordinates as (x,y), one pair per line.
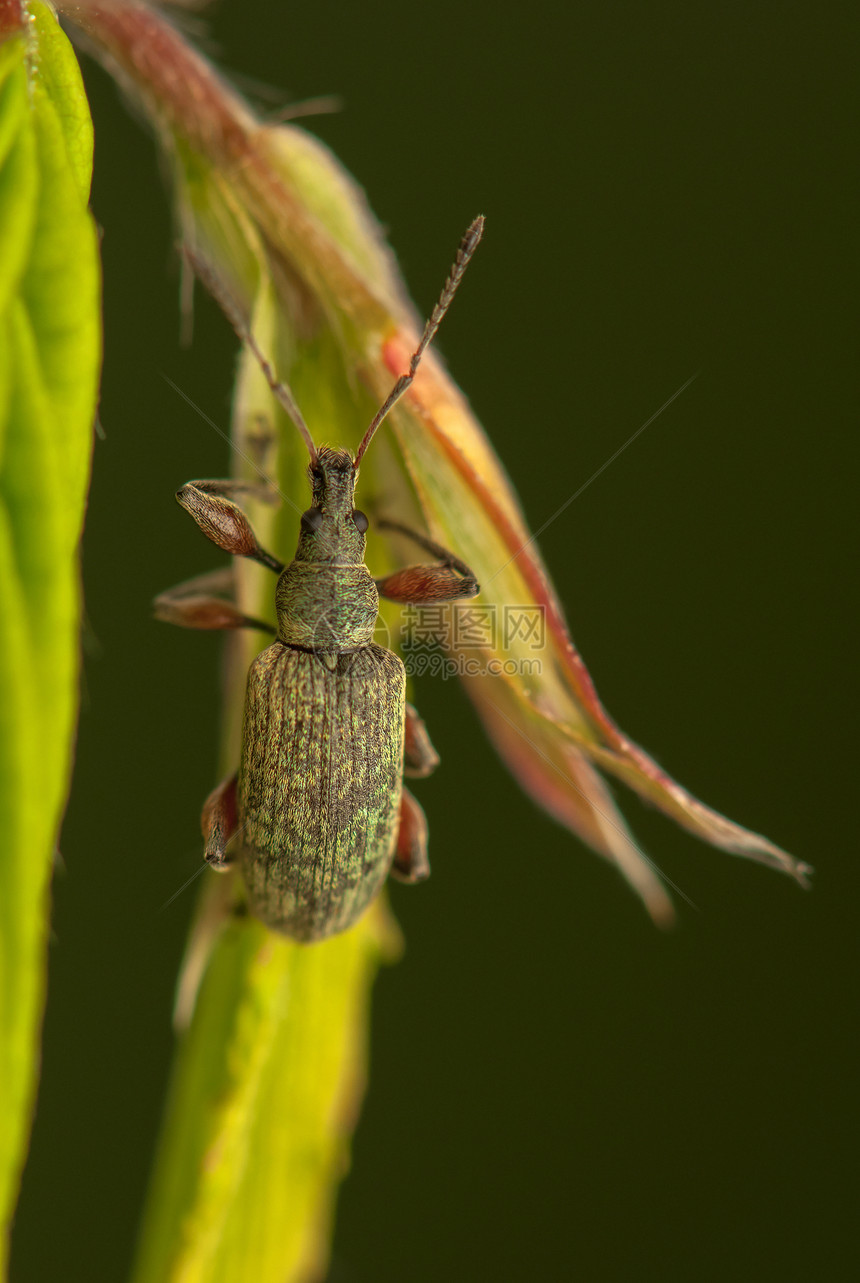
(317,815)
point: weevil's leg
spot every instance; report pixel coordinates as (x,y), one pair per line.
(410,857)
(447,582)
(218,824)
(223,521)
(419,756)
(194,604)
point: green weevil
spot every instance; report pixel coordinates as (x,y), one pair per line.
(317,814)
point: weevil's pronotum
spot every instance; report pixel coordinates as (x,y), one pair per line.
(317,814)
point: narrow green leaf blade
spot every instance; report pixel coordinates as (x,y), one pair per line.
(49,364)
(261,1108)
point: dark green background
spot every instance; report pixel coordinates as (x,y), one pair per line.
(557,1089)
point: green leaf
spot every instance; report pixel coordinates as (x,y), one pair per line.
(261,1108)
(49,365)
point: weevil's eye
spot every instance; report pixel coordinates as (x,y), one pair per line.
(312,520)
(359,521)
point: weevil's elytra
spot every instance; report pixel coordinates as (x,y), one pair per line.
(317,814)
(321,777)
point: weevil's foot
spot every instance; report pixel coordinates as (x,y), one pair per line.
(419,756)
(218,824)
(220,862)
(411,871)
(410,862)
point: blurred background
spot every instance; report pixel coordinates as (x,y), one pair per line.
(557,1089)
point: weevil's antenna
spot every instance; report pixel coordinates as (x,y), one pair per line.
(234,316)
(468,245)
